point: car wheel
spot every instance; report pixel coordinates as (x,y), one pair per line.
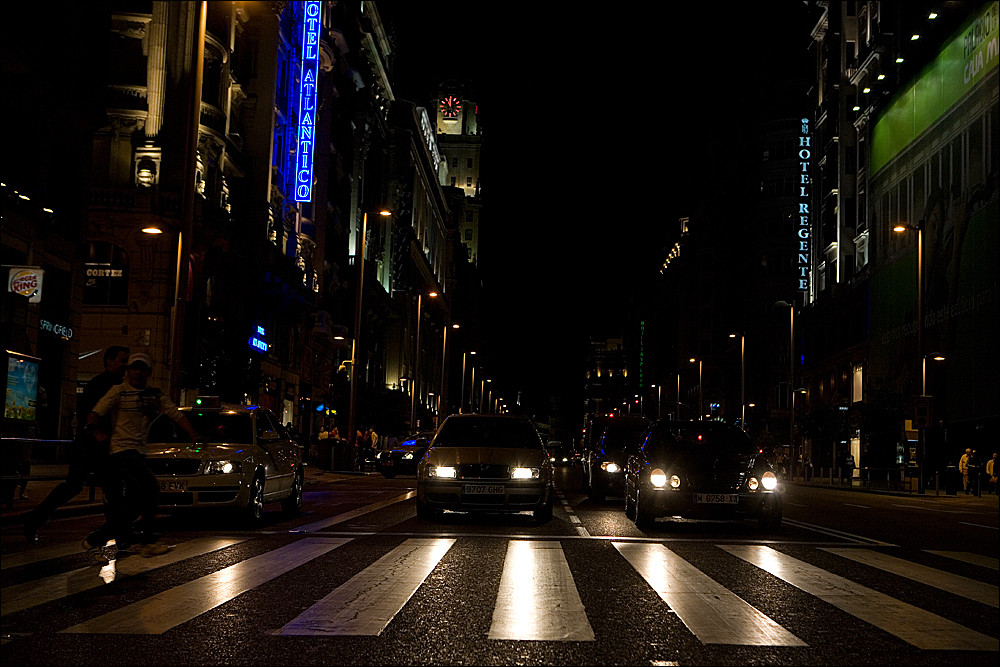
(544,513)
(255,506)
(598,489)
(769,519)
(425,513)
(292,505)
(629,504)
(643,512)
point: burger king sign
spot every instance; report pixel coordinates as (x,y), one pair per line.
(26,281)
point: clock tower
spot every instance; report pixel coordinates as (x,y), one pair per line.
(459,139)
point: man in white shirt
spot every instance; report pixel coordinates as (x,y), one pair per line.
(129,486)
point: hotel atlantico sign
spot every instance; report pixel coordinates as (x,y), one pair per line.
(308,80)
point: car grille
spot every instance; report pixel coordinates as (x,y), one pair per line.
(174,466)
(176,499)
(718,481)
(483,471)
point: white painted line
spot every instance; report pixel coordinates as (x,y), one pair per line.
(159,613)
(913,625)
(538,599)
(583,532)
(574,519)
(353,514)
(365,604)
(975,559)
(710,611)
(864,507)
(924,508)
(953,583)
(978,525)
(35,555)
(33,593)
(838,533)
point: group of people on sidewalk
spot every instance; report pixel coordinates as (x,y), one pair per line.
(114,413)
(977,478)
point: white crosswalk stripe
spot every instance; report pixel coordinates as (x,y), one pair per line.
(916,626)
(976,559)
(708,609)
(536,598)
(166,610)
(371,599)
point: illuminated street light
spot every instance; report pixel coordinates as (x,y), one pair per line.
(791,381)
(701,411)
(416,361)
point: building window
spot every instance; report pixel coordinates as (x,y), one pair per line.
(468,181)
(468,233)
(857,386)
(453,179)
(468,162)
(454,163)
(469,216)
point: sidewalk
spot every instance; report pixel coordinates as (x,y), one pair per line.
(985,500)
(83,504)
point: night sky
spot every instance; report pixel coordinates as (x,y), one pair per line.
(601,129)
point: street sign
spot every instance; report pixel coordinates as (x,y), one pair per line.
(922,412)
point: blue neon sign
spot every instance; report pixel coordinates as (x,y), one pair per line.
(257,340)
(308,79)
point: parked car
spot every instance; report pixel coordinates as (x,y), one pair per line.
(402,459)
(244,458)
(485,463)
(604,462)
(701,470)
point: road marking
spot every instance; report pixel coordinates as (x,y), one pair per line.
(159,613)
(37,555)
(838,533)
(574,519)
(977,525)
(975,559)
(34,593)
(927,509)
(537,599)
(953,583)
(911,624)
(353,514)
(366,603)
(710,611)
(864,507)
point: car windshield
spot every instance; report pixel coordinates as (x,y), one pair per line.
(623,436)
(510,433)
(210,427)
(727,442)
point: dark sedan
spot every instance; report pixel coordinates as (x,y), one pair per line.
(402,458)
(701,470)
(604,465)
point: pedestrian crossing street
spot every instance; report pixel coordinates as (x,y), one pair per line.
(537,598)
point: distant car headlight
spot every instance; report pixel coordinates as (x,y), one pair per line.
(752,484)
(769,480)
(222,467)
(610,466)
(658,478)
(442,471)
(675,482)
(407,456)
(525,473)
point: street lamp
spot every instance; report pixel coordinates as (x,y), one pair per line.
(461,404)
(416,361)
(743,381)
(791,381)
(902,228)
(352,407)
(173,360)
(444,365)
(701,411)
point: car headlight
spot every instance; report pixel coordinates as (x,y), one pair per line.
(525,473)
(610,466)
(752,484)
(221,467)
(442,471)
(407,456)
(658,478)
(675,482)
(769,480)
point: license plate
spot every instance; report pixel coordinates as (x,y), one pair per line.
(718,498)
(173,485)
(483,489)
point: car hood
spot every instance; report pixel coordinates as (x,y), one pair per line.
(199,451)
(453,456)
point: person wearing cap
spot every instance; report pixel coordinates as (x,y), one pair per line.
(87,454)
(129,486)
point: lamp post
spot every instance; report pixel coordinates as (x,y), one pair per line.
(791,381)
(701,411)
(921,436)
(472,390)
(461,404)
(444,365)
(743,381)
(416,362)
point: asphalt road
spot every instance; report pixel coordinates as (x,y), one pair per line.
(852,578)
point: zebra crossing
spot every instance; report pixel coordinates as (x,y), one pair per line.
(536,599)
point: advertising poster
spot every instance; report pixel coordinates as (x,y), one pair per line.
(22,387)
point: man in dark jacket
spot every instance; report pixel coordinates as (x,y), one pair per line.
(87,454)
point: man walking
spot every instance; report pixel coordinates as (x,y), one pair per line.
(129,487)
(963,467)
(87,455)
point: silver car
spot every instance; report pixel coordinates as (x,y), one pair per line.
(485,463)
(244,458)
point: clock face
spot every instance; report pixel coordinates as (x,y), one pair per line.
(450,106)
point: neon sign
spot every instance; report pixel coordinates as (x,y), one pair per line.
(802,229)
(257,341)
(308,79)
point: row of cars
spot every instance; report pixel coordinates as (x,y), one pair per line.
(245,458)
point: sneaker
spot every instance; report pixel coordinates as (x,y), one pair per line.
(100,555)
(151,549)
